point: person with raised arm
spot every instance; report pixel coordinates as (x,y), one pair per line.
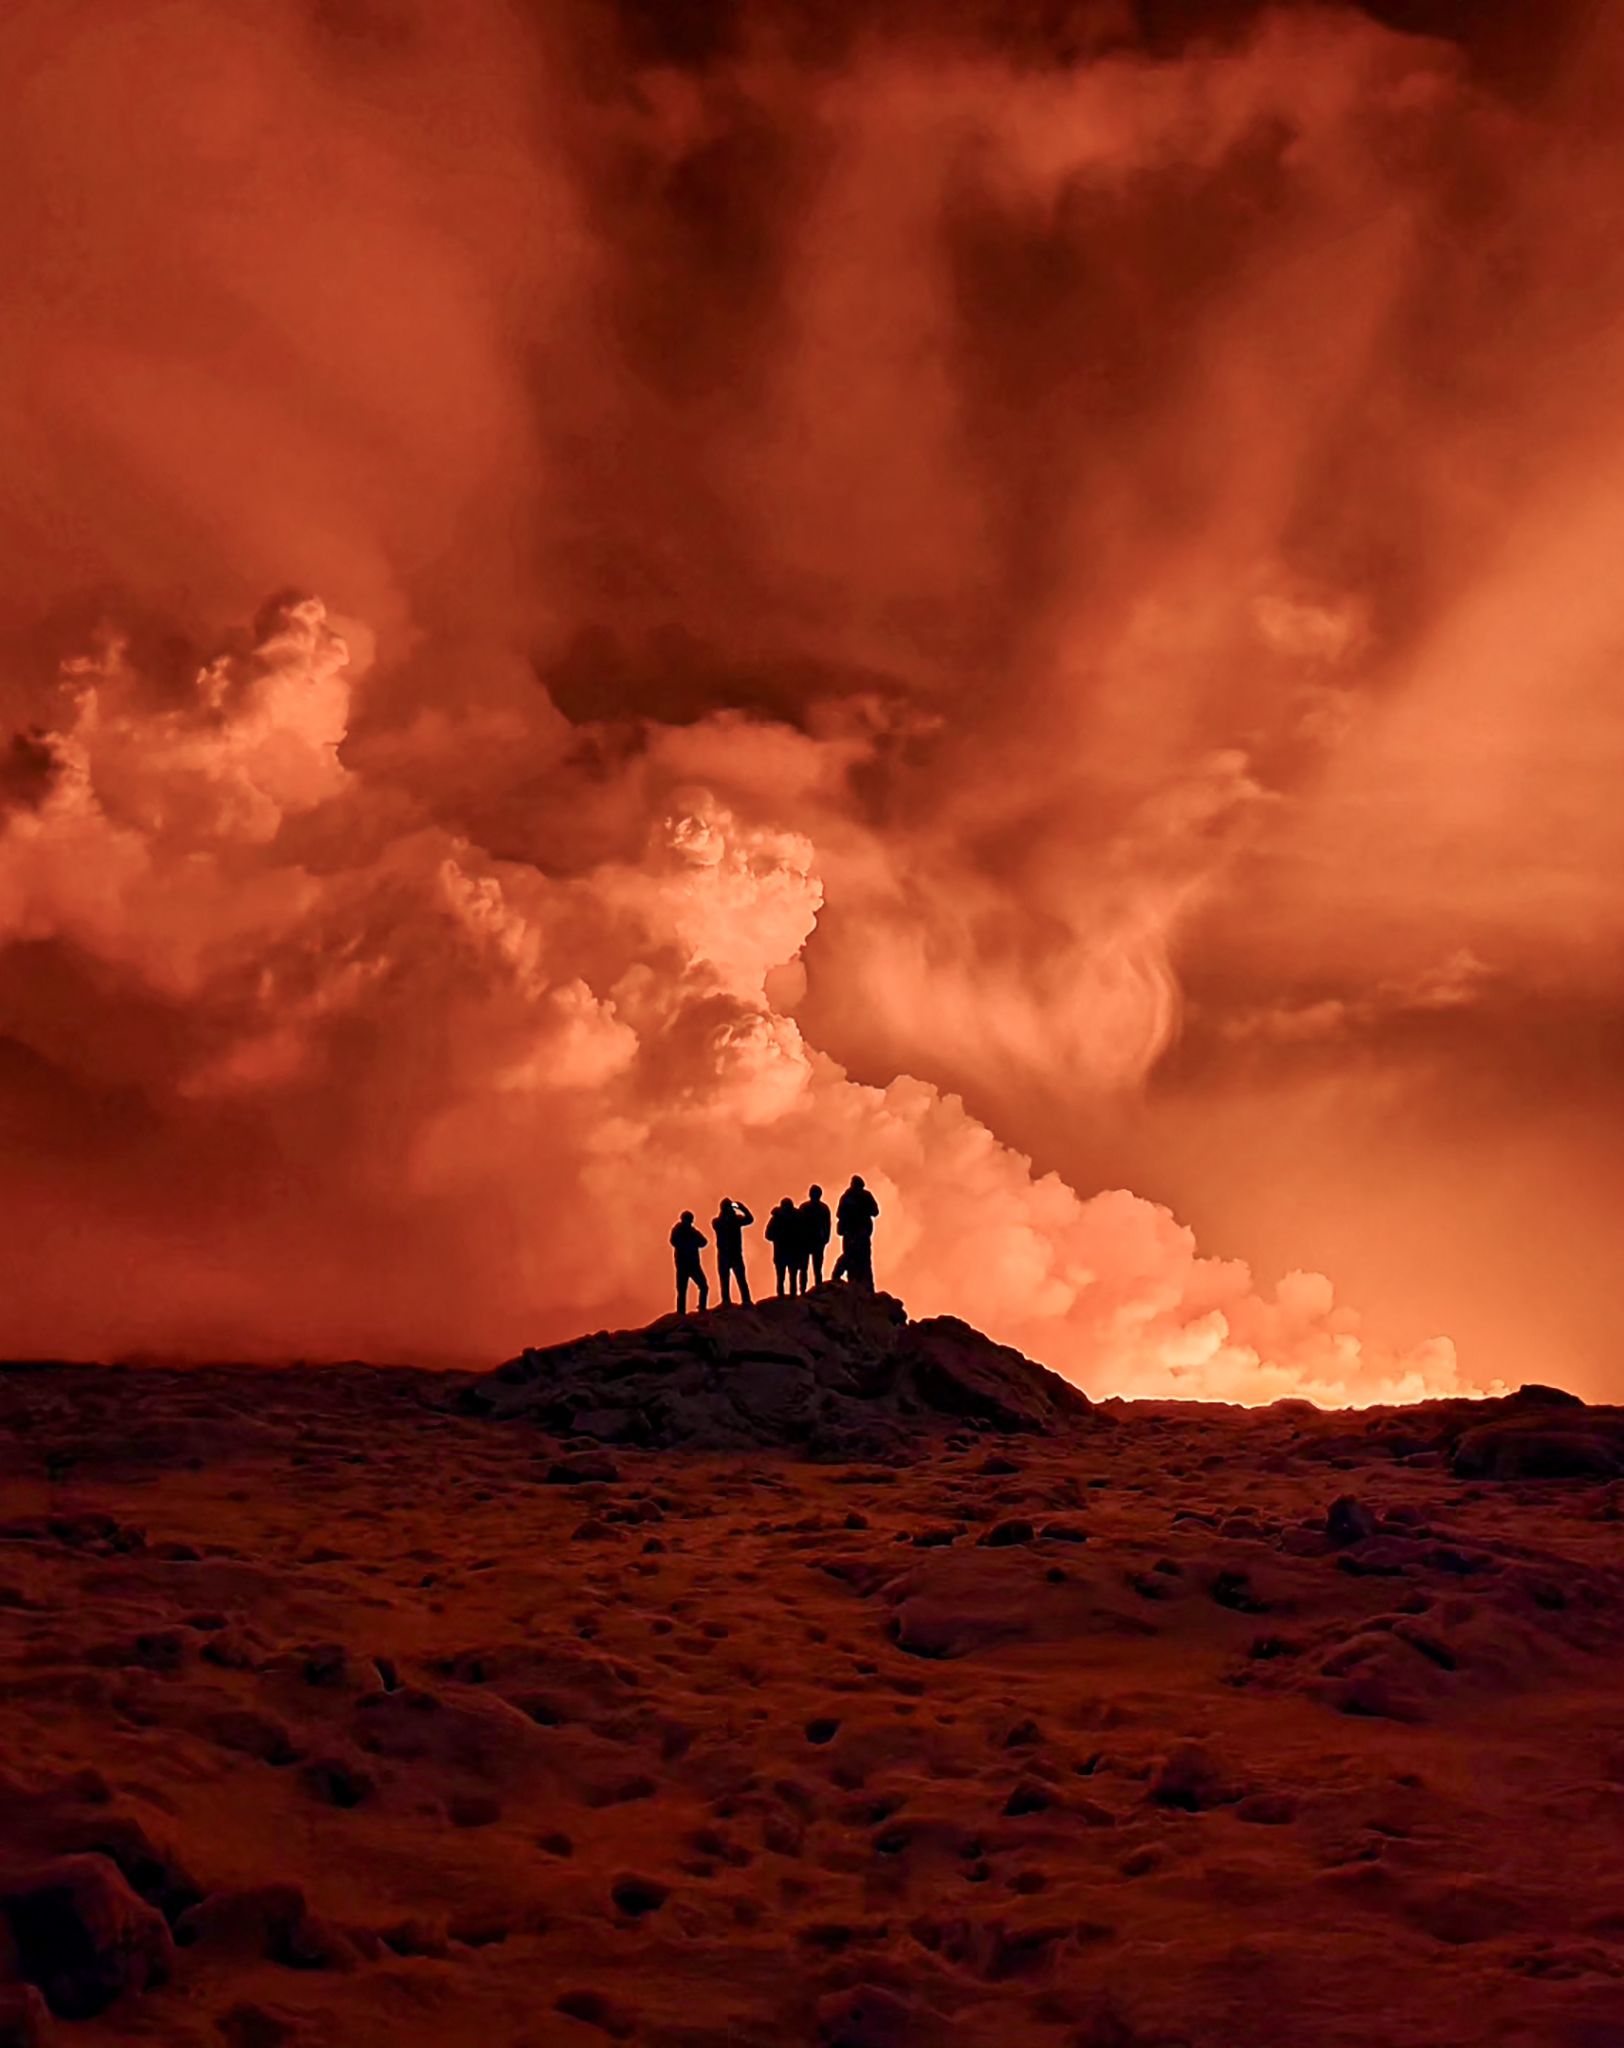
(729,1223)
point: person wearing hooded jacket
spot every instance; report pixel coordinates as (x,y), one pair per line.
(783,1233)
(854,1219)
(687,1243)
(816,1229)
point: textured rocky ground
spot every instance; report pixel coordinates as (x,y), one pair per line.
(342,1707)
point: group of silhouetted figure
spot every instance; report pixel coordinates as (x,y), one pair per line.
(799,1234)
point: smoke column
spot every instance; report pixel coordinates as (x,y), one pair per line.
(599,616)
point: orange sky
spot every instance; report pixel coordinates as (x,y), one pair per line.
(606,605)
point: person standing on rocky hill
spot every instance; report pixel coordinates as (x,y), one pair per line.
(816,1227)
(855,1221)
(729,1224)
(784,1235)
(688,1243)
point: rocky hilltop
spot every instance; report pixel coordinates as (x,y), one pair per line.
(838,1373)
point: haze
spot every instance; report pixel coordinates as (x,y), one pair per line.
(599,613)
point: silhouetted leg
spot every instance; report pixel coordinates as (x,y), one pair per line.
(704,1289)
(734,1271)
(817,1265)
(860,1265)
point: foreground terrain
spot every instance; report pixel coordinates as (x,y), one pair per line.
(356,1707)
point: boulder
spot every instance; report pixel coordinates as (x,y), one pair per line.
(1348,1520)
(25,2019)
(82,1936)
(1191,1779)
(870,2016)
(269,1920)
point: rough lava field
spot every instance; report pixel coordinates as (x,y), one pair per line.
(802,1675)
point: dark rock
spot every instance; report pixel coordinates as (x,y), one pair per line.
(82,1936)
(256,2026)
(839,1373)
(1367,1695)
(270,1921)
(1191,1780)
(1527,1450)
(597,2009)
(252,1733)
(584,1468)
(636,1896)
(1382,1557)
(1002,1534)
(473,1810)
(1532,1394)
(338,1782)
(326,1664)
(25,2018)
(1234,1589)
(1348,1520)
(869,2016)
(74,1820)
(823,1729)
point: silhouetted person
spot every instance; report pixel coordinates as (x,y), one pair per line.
(854,1219)
(688,1243)
(729,1223)
(784,1234)
(816,1227)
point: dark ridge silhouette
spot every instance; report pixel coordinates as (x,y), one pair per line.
(840,1373)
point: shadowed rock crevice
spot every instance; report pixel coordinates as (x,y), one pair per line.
(837,1374)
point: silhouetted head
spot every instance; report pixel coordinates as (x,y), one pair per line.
(687,1215)
(788,1202)
(857,1180)
(815,1192)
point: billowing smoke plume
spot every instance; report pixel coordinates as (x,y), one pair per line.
(912,604)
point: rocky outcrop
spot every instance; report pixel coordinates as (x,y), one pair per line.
(836,1374)
(1590,1447)
(1536,1433)
(79,1934)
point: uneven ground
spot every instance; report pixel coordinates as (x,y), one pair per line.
(363,1721)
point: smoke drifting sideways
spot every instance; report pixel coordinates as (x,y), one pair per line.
(379,1085)
(869,574)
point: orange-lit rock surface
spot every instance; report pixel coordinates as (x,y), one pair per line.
(347,1706)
